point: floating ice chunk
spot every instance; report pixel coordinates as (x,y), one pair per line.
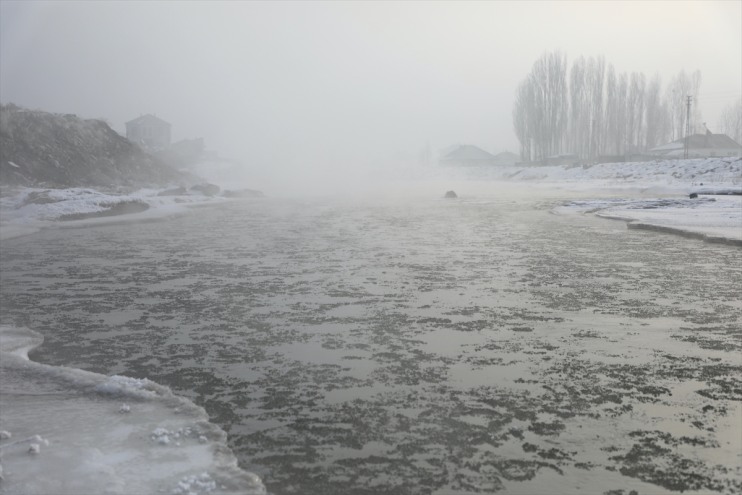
(126,386)
(40,440)
(125,408)
(34,449)
(36,440)
(195,484)
(4,435)
(161,436)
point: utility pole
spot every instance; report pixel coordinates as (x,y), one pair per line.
(687,127)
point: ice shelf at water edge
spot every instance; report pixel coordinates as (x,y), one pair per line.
(70,431)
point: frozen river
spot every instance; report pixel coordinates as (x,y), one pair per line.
(412,346)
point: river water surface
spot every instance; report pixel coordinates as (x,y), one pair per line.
(413,346)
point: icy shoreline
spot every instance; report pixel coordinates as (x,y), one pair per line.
(646,195)
(655,196)
(709,218)
(25,211)
(70,431)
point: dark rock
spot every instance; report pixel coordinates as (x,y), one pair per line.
(450,195)
(693,195)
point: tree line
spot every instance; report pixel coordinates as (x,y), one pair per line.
(591,111)
(730,122)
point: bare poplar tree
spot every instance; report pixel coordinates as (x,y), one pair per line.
(549,77)
(635,111)
(680,88)
(577,110)
(540,112)
(522,111)
(596,111)
(655,120)
(595,79)
(621,104)
(730,122)
(611,112)
(677,92)
(697,118)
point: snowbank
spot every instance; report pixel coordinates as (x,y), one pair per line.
(655,194)
(69,431)
(711,218)
(675,175)
(27,210)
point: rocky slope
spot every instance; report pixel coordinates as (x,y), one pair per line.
(54,150)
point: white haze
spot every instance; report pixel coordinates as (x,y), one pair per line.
(315,94)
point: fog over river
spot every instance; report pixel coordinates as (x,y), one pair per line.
(412,346)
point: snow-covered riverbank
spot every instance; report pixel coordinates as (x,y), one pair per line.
(713,218)
(665,188)
(27,210)
(69,431)
(647,195)
(651,195)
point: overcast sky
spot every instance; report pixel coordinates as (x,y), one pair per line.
(305,84)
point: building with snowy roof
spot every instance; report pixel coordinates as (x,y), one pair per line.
(466,155)
(149,131)
(699,146)
(507,158)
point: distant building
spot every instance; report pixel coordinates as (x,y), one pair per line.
(149,131)
(466,155)
(569,159)
(189,148)
(183,154)
(699,146)
(506,158)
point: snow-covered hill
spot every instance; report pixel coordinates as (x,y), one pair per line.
(54,150)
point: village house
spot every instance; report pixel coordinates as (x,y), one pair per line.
(506,158)
(149,131)
(466,155)
(184,153)
(699,146)
(567,159)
